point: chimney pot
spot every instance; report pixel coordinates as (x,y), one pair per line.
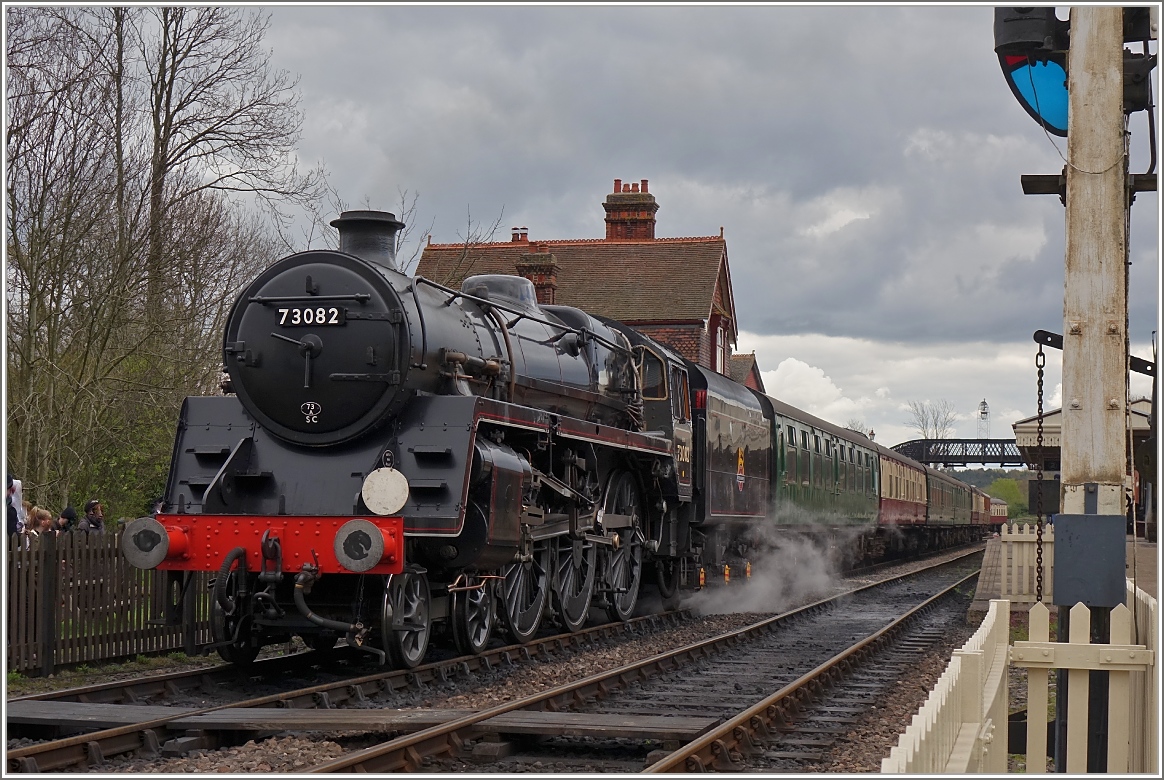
(369,235)
(634,188)
(644,185)
(626,188)
(618,185)
(516,234)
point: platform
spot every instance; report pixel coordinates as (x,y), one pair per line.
(1142,565)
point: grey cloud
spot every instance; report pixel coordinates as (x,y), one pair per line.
(536,110)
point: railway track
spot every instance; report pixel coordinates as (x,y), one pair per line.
(615,716)
(353,701)
(123,700)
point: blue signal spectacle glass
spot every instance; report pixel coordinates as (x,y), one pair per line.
(1040,86)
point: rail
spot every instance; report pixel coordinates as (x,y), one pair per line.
(961,728)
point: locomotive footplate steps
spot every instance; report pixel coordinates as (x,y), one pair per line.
(80,717)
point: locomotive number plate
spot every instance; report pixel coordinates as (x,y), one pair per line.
(319,315)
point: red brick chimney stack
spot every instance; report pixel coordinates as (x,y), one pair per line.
(630,212)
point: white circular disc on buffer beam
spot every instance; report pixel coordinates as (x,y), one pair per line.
(385,491)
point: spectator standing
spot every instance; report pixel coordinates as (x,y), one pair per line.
(94,519)
(43,520)
(13,516)
(67,521)
(20,504)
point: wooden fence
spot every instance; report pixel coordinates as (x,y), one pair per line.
(1127,665)
(74,599)
(1020,562)
(962,727)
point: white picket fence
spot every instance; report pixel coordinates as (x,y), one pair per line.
(1020,562)
(962,727)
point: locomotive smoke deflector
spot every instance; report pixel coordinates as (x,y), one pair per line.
(369,235)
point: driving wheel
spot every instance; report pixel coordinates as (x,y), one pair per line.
(525,592)
(573,580)
(624,559)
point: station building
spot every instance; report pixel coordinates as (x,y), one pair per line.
(1142,481)
(678,291)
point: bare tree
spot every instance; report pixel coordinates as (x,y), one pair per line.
(858,425)
(407,213)
(216,107)
(932,420)
(114,308)
(476,233)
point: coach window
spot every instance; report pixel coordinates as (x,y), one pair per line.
(790,473)
(654,379)
(816,442)
(679,402)
(804,440)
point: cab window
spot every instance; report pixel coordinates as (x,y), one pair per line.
(654,378)
(680,403)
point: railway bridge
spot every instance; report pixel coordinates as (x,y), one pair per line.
(962,452)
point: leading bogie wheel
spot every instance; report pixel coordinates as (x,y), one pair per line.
(473,615)
(406,618)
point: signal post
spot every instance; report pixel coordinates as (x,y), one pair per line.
(1103,83)
(1090,547)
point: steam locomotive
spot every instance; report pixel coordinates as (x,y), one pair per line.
(396,459)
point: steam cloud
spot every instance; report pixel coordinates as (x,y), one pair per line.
(790,567)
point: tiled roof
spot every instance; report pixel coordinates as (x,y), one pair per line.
(742,366)
(662,279)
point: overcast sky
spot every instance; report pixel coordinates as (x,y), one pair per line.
(863,163)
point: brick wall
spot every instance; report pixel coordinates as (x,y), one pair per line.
(690,341)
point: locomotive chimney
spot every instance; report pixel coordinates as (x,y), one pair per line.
(369,235)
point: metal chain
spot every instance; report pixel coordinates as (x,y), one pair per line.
(360,600)
(1040,361)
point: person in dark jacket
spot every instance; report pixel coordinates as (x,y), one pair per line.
(13,517)
(68,520)
(94,519)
